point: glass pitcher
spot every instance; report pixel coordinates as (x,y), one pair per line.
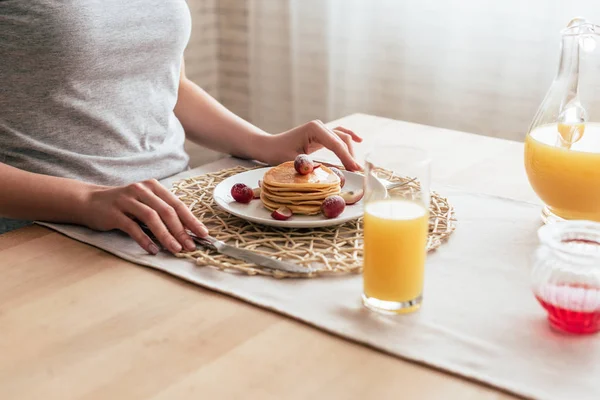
(562,147)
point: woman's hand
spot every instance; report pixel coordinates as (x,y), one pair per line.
(308,138)
(149,202)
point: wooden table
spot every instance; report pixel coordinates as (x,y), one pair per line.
(76,322)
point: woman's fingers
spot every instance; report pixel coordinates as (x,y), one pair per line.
(152,220)
(131,228)
(170,218)
(183,213)
(340,148)
(333,142)
(347,139)
(150,203)
(353,135)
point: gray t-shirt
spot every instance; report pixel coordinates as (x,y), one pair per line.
(88,88)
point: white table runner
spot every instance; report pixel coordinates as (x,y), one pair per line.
(479,318)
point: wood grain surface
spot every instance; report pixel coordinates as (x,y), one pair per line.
(76,322)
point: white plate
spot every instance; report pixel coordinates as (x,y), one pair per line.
(256,212)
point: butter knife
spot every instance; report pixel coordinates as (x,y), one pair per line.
(244,255)
(253,257)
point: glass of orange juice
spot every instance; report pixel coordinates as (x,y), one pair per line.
(396,224)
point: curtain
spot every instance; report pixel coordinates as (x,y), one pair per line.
(475,66)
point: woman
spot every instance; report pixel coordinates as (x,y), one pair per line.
(95,104)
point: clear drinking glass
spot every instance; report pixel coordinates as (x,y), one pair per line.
(396,225)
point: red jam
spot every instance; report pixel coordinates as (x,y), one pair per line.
(574,309)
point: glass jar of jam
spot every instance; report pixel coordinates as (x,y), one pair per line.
(566,275)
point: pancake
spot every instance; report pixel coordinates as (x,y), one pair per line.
(285,176)
(303,194)
(290,195)
(283,190)
(296,208)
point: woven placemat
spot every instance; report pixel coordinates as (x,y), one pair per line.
(336,250)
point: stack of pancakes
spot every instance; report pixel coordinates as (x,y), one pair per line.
(303,194)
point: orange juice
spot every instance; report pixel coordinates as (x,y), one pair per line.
(566,177)
(395,237)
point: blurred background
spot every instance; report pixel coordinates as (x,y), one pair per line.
(477,66)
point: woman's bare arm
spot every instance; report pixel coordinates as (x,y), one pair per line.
(208,123)
(30,196)
(25,195)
